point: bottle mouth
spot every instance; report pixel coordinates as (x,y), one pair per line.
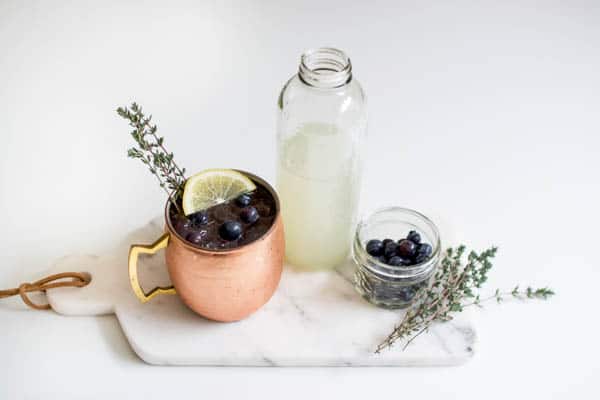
(325,68)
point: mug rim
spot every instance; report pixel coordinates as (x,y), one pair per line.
(243,247)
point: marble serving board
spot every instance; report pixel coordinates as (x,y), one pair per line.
(313,319)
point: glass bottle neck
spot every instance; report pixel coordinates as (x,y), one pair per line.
(325,68)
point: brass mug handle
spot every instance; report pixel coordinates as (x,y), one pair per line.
(134,252)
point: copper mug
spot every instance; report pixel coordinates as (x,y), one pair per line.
(222,285)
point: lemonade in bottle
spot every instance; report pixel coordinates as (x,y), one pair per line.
(321,127)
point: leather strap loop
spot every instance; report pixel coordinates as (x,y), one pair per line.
(65,279)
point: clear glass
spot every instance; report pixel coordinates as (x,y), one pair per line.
(322,122)
(385,285)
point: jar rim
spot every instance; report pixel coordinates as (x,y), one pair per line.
(417,271)
(325,68)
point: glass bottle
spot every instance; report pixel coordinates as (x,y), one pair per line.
(322,123)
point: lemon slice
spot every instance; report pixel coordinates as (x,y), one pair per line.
(213,186)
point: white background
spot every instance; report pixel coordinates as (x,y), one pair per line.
(483,115)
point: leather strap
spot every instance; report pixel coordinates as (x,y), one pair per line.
(65,279)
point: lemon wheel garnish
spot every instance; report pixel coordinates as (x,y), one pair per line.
(213,186)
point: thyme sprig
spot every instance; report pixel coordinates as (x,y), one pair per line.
(151,151)
(455,286)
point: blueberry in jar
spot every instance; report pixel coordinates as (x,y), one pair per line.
(375,247)
(424,248)
(390,250)
(397,261)
(249,215)
(414,237)
(230,230)
(423,253)
(407,248)
(386,241)
(243,200)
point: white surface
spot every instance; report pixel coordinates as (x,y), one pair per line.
(483,115)
(311,319)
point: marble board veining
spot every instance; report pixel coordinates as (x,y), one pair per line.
(313,319)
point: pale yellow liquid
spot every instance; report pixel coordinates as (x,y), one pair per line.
(318,183)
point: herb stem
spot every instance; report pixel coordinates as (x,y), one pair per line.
(152,152)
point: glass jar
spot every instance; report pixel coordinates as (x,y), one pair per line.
(321,127)
(385,285)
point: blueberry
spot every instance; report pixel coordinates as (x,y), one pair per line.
(382,259)
(390,250)
(183,225)
(249,215)
(230,230)
(386,241)
(407,248)
(414,237)
(406,293)
(423,253)
(243,200)
(195,237)
(375,247)
(397,261)
(425,248)
(199,218)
